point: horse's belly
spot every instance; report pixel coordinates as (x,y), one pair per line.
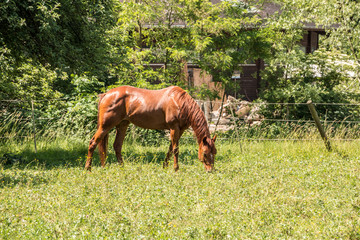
(149,121)
(151,112)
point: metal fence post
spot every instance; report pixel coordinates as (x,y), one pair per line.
(318,124)
(233,115)
(33,122)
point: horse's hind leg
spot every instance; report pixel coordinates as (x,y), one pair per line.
(102,146)
(119,139)
(95,140)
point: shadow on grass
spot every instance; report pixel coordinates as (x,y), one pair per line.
(25,167)
(51,158)
(46,159)
(56,158)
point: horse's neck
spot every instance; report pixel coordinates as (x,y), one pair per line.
(191,111)
(200,127)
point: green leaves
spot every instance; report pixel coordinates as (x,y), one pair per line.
(59,33)
(175,32)
(86,85)
(324,75)
(31,81)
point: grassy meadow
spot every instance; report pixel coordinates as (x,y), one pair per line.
(271,190)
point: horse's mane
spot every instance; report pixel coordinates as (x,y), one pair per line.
(191,113)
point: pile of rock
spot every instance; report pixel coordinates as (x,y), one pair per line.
(234,108)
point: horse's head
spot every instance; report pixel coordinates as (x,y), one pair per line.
(207,152)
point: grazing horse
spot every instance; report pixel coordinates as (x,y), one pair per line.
(169,108)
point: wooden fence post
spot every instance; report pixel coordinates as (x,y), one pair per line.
(33,122)
(318,124)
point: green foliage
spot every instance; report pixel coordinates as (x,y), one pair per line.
(204,93)
(212,36)
(7,88)
(147,34)
(86,85)
(221,40)
(78,117)
(69,35)
(77,49)
(34,82)
(301,78)
(26,81)
(295,77)
(341,19)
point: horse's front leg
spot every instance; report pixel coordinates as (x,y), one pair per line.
(175,135)
(168,155)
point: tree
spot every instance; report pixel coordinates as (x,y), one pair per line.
(293,76)
(63,34)
(343,17)
(62,37)
(215,36)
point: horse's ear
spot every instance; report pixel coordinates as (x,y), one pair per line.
(214,138)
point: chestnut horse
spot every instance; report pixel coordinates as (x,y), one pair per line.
(170,108)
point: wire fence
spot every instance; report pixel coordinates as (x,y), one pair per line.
(34,120)
(304,104)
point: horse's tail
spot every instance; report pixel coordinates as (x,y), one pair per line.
(101,96)
(104,142)
(103,146)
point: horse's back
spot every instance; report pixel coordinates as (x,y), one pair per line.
(130,90)
(154,109)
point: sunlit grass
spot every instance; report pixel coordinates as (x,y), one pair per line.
(260,190)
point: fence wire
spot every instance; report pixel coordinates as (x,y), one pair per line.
(232,119)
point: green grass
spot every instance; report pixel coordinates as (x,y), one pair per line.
(271,190)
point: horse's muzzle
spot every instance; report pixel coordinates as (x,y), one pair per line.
(209,168)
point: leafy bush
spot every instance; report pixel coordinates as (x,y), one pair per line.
(295,77)
(84,85)
(29,81)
